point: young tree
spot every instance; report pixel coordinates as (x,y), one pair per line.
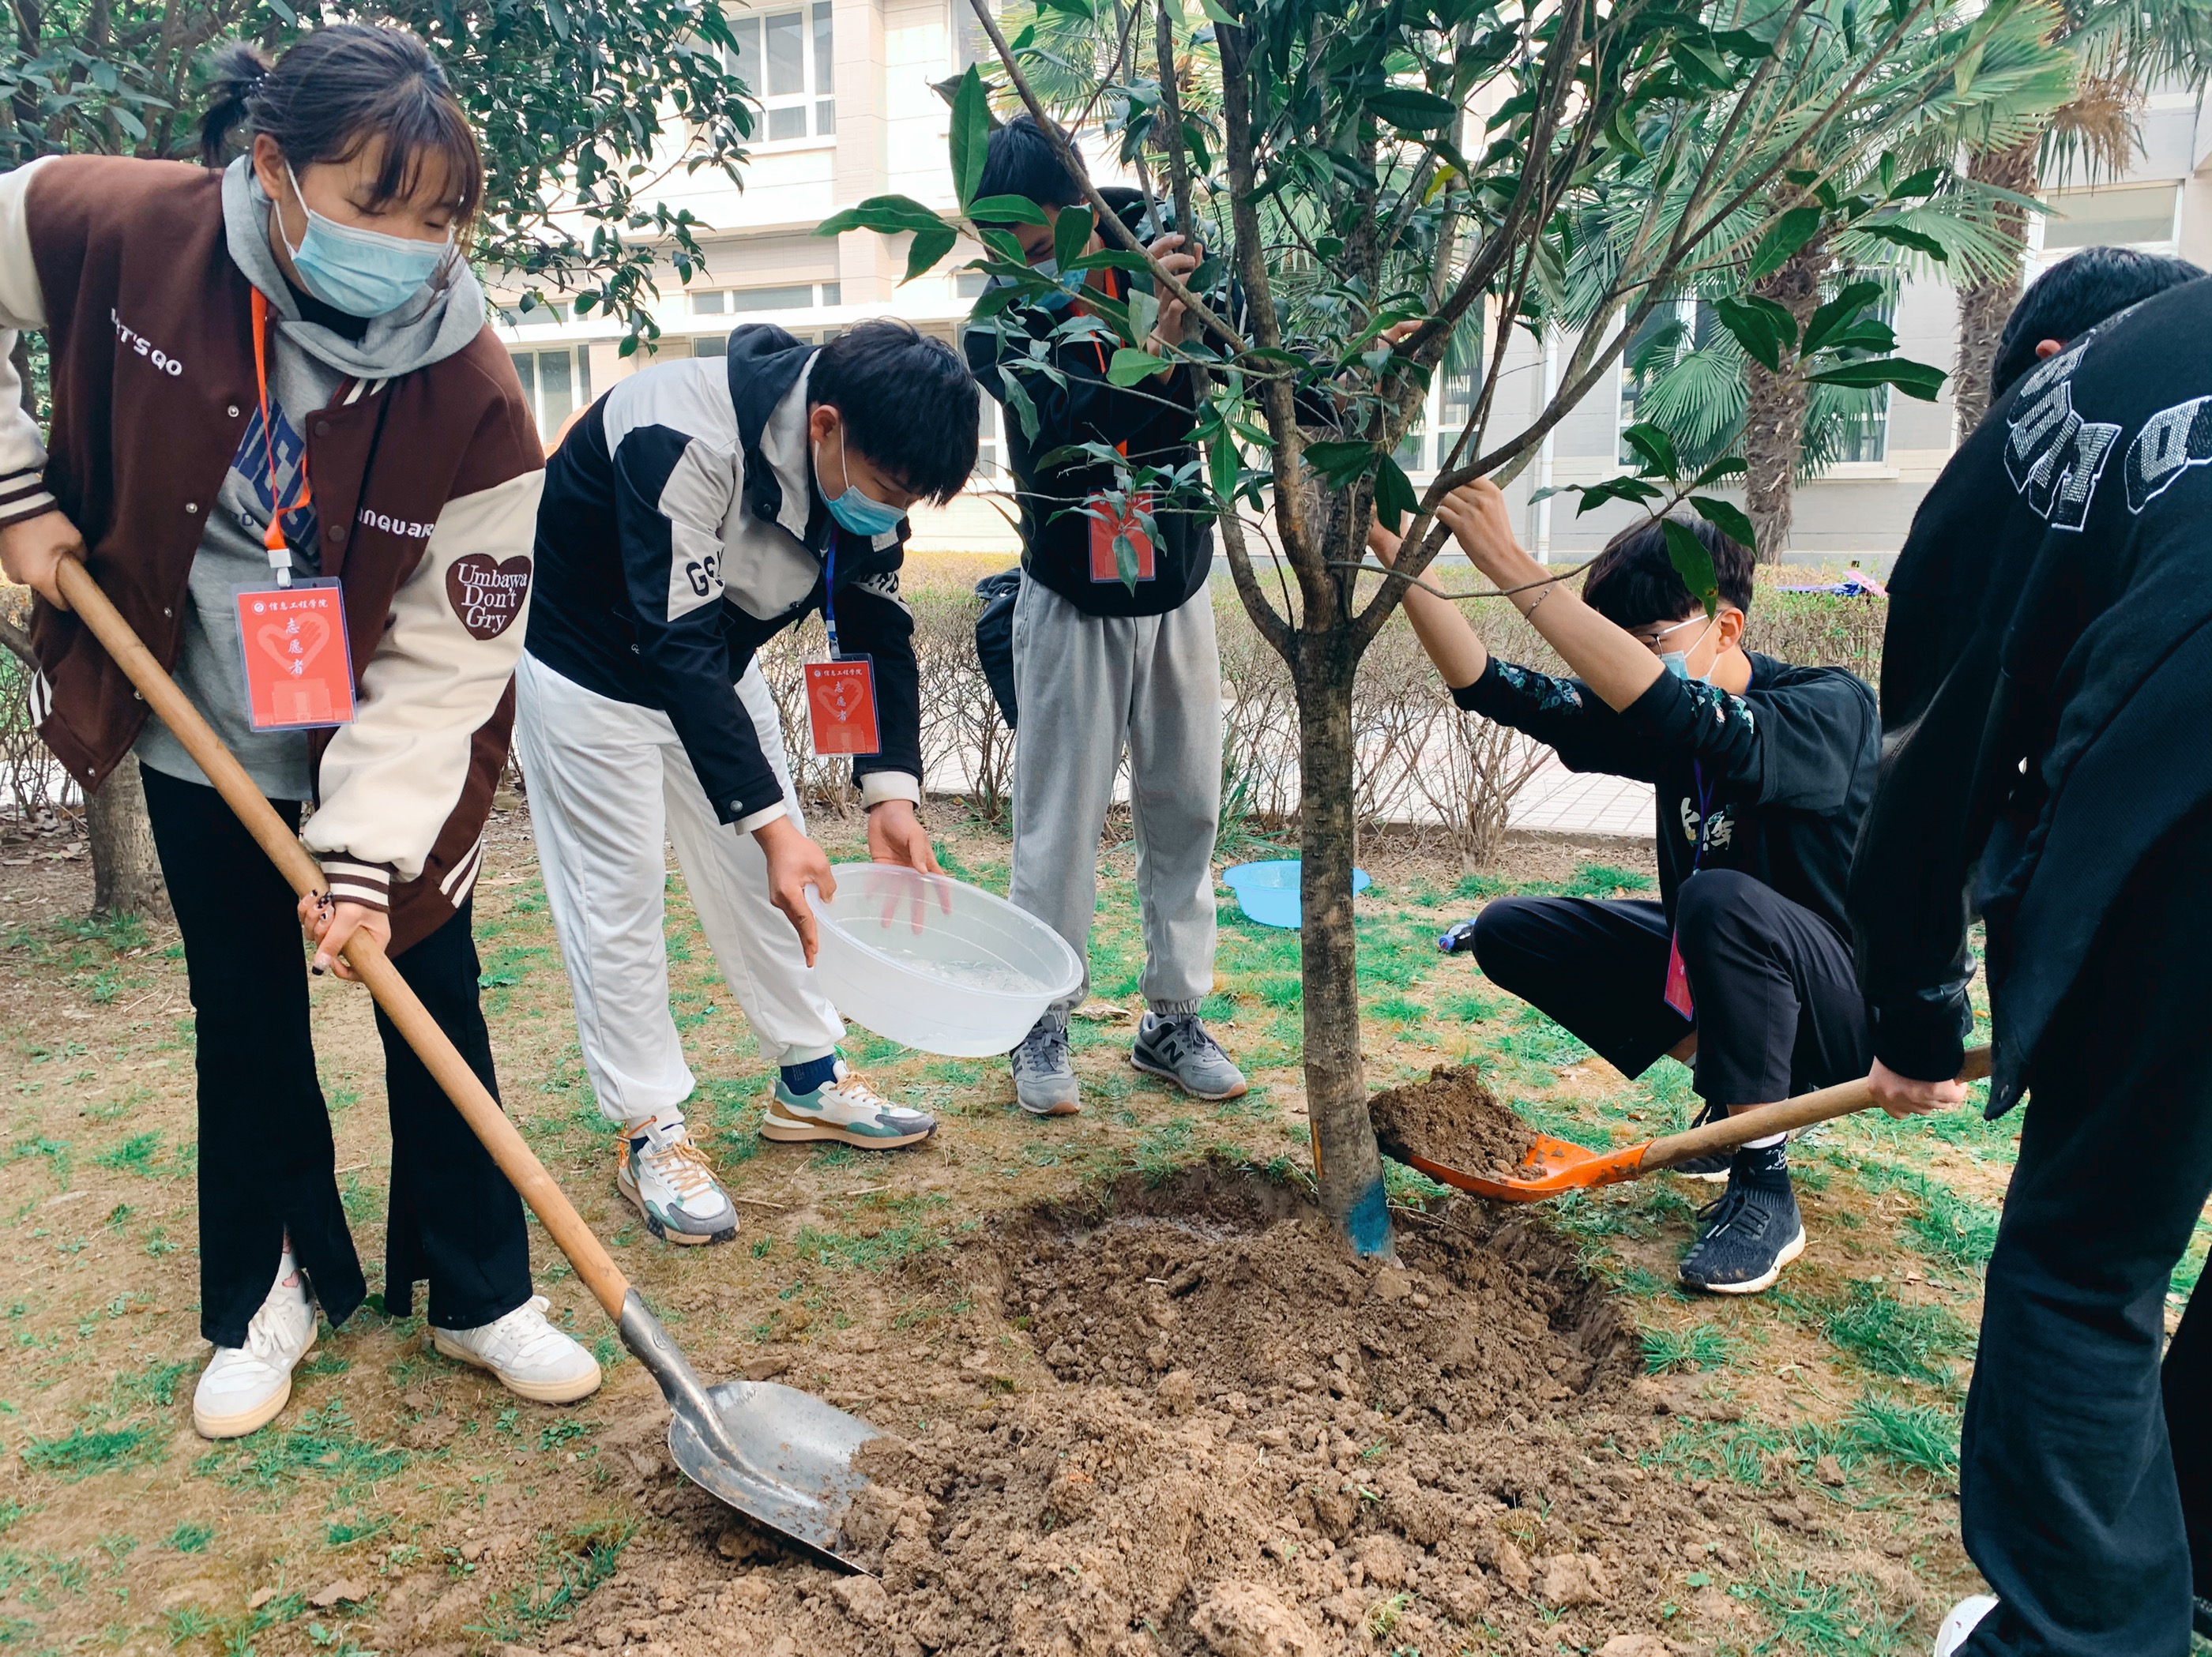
(1379,175)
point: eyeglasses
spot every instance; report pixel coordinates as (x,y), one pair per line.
(1656,642)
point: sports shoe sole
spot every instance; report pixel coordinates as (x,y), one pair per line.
(798,1129)
(1717,1176)
(628,1186)
(538,1392)
(1061,1107)
(252,1420)
(1790,1251)
(1241,1087)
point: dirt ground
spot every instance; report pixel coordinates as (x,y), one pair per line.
(1134,1400)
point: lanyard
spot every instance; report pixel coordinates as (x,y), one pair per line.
(280,552)
(1704,817)
(829,596)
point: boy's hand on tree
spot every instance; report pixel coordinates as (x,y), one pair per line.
(332,925)
(896,836)
(1479,521)
(1173,320)
(1902,1096)
(795,863)
(31,553)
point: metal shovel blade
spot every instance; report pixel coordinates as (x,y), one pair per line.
(775,1453)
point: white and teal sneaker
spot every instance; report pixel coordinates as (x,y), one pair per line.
(660,1170)
(846,1109)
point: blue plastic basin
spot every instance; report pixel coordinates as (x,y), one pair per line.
(1268,892)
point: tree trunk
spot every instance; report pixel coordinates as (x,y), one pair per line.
(1984,307)
(127,874)
(1347,1165)
(1774,408)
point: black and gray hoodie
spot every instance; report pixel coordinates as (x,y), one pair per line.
(681,530)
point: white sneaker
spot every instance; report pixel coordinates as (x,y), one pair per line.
(244,1387)
(845,1109)
(532,1358)
(660,1170)
(1965,1618)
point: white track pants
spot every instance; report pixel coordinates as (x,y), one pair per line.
(609,784)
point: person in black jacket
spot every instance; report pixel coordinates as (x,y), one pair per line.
(1761,770)
(695,512)
(2047,687)
(1114,644)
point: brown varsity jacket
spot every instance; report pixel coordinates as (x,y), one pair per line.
(426,487)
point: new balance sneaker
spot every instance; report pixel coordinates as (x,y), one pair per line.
(660,1170)
(532,1358)
(1751,1232)
(1714,1167)
(1965,1616)
(244,1387)
(1045,1075)
(847,1109)
(1177,1047)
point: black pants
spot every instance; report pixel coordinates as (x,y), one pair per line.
(266,1161)
(2070,1502)
(1777,1008)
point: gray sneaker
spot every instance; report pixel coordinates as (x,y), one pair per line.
(1176,1046)
(1044,1079)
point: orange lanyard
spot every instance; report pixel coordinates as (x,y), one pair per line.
(280,551)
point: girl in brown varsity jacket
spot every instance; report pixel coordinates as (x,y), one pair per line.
(289,449)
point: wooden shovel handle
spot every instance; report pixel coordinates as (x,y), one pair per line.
(401,1005)
(1803,1111)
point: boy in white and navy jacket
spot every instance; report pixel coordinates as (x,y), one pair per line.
(695,511)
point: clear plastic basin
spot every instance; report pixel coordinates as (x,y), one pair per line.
(933,963)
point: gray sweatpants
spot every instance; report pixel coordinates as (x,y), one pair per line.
(1085,685)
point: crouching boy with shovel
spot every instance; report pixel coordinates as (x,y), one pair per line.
(1762,771)
(695,512)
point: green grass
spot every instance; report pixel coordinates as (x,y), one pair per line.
(189,1538)
(1733,1451)
(319,1444)
(1824,1619)
(79,1454)
(1605,880)
(1700,1346)
(136,1155)
(156,1384)
(1889,1338)
(567,1572)
(1921,1437)
(876,1251)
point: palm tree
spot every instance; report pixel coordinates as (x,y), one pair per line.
(2120,51)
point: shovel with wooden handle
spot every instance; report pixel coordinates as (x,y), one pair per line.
(1555,1167)
(777,1454)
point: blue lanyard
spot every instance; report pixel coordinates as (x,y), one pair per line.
(1704,810)
(829,596)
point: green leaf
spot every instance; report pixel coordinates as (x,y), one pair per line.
(1700,65)
(1394,494)
(1340,463)
(1018,404)
(1410,110)
(1849,301)
(1919,241)
(1783,238)
(927,248)
(1753,329)
(972,135)
(1218,12)
(1222,461)
(887,214)
(1915,379)
(1728,465)
(1655,445)
(1926,182)
(1125,561)
(1729,519)
(1620,133)
(1131,368)
(1005,210)
(1076,8)
(1071,234)
(1693,562)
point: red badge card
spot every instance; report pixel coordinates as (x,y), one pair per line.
(1106,526)
(1678,982)
(299,671)
(840,707)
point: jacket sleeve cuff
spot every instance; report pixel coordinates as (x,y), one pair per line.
(24,495)
(760,819)
(876,786)
(368,884)
(1924,1037)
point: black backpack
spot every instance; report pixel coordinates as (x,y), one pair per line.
(994,636)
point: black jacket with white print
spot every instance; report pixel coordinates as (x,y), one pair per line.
(681,530)
(1784,771)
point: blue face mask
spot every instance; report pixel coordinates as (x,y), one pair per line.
(1063,293)
(1677,661)
(363,273)
(862,514)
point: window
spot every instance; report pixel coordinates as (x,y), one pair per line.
(789,61)
(970,284)
(796,296)
(710,345)
(1845,428)
(990,450)
(1673,329)
(969,44)
(556,384)
(2137,217)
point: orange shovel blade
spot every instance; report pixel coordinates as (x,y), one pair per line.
(1551,1167)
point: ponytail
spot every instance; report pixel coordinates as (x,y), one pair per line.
(236,73)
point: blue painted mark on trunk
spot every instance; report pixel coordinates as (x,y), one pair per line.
(1368,1224)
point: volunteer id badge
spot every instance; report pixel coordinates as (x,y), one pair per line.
(1106,526)
(840,707)
(298,671)
(1678,982)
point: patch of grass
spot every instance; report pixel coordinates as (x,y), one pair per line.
(156,1384)
(319,1444)
(344,1532)
(876,1251)
(1410,1187)
(79,1454)
(1164,1148)
(1700,1346)
(1482,886)
(1923,1437)
(1469,1005)
(1736,1451)
(1826,1619)
(1536,1041)
(1397,1009)
(1883,1334)
(569,1570)
(1953,1230)
(189,1537)
(1604,880)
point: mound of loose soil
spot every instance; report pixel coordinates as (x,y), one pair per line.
(1452,1119)
(1220,1434)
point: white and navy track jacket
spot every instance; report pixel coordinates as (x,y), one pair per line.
(681,530)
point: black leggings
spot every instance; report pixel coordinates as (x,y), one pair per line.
(266,1161)
(1778,1011)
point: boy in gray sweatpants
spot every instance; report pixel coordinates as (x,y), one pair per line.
(1106,656)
